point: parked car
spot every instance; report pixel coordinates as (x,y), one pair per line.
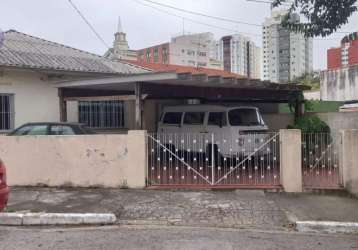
(4,189)
(52,128)
(234,129)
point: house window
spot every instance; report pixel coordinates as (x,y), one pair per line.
(164,55)
(190,52)
(101,114)
(148,56)
(156,56)
(6,111)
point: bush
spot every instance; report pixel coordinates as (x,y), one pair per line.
(310,124)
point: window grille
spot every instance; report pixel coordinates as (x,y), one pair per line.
(6,112)
(102,114)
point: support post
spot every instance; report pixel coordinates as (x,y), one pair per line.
(299,109)
(62,106)
(350,160)
(136,170)
(291,160)
(138,106)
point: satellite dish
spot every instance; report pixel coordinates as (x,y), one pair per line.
(2,38)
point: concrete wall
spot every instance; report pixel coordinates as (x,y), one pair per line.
(89,160)
(335,120)
(340,84)
(350,160)
(276,122)
(340,120)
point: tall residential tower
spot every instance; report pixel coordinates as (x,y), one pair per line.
(286,54)
(240,55)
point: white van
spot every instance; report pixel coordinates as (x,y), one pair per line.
(233,129)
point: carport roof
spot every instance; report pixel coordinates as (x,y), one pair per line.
(172,85)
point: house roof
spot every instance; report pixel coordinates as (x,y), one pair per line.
(24,51)
(158,67)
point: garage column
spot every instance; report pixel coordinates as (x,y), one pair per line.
(62,106)
(138,105)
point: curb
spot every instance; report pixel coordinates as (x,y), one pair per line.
(327,227)
(40,219)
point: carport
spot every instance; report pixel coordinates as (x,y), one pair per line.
(184,160)
(141,88)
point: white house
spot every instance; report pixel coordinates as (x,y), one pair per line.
(28,68)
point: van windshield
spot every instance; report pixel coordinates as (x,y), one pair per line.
(244,117)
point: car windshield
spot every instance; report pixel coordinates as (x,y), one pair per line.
(244,117)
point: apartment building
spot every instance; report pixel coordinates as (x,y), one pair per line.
(196,50)
(286,54)
(345,55)
(239,55)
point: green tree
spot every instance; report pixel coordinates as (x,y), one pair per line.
(311,80)
(323,17)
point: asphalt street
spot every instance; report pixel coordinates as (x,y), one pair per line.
(174,238)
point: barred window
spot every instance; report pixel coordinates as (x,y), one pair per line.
(101,114)
(6,111)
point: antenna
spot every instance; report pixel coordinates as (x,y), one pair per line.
(183,26)
(2,38)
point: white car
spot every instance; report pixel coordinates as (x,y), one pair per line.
(201,128)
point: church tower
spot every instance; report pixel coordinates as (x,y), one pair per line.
(120,41)
(120,48)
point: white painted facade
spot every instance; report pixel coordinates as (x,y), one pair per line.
(194,50)
(34,99)
(340,84)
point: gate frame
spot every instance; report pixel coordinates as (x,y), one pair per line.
(213,183)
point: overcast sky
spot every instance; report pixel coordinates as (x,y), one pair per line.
(57,21)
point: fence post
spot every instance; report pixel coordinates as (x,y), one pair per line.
(291,160)
(350,160)
(212,160)
(136,170)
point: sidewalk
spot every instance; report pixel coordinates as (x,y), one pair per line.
(235,209)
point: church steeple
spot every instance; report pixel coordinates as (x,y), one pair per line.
(120,42)
(119,28)
(120,48)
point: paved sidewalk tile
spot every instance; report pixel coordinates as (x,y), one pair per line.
(241,208)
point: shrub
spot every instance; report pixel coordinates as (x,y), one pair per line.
(310,124)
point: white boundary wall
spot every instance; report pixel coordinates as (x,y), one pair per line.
(79,161)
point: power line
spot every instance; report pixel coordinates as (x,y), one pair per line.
(185,18)
(268,2)
(202,14)
(210,25)
(88,24)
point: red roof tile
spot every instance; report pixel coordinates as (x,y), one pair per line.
(158,67)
